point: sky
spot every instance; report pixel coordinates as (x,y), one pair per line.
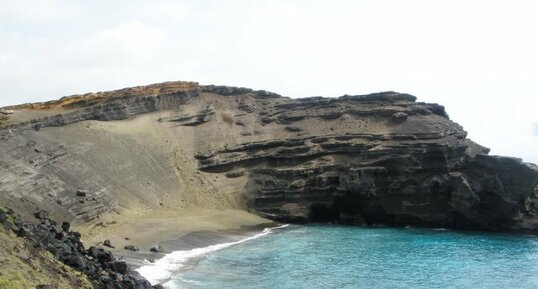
(478,58)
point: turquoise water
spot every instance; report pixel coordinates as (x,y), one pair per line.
(352,257)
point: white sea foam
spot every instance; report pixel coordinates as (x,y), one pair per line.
(165,267)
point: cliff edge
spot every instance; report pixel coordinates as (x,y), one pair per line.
(377,159)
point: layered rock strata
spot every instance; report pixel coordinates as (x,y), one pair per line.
(378,159)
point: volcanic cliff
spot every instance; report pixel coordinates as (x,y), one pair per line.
(377,159)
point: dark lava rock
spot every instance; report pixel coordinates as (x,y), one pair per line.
(131,248)
(66,226)
(3,216)
(41,215)
(100,254)
(99,265)
(77,262)
(156,249)
(7,225)
(117,266)
(107,243)
(82,193)
(21,232)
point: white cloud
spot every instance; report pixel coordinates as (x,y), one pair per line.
(34,10)
(171,9)
(128,44)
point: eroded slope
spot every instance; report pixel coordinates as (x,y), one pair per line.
(376,159)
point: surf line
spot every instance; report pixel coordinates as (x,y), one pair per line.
(165,267)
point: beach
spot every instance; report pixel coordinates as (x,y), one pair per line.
(172,229)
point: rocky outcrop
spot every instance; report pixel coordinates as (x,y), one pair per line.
(119,108)
(378,159)
(101,267)
(417,169)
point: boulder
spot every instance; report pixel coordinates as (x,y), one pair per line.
(41,215)
(20,231)
(7,225)
(82,193)
(108,243)
(78,262)
(131,248)
(66,226)
(100,254)
(117,266)
(156,249)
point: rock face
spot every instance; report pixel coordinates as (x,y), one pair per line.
(378,159)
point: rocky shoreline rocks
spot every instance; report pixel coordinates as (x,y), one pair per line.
(101,267)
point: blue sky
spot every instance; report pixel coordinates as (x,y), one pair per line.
(478,58)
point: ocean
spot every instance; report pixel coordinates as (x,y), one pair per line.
(326,256)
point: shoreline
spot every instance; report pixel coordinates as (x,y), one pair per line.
(191,248)
(146,228)
(191,241)
(173,229)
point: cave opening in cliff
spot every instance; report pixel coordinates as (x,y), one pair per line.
(320,213)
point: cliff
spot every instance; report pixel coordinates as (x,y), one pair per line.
(378,159)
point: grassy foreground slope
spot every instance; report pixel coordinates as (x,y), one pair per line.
(23,266)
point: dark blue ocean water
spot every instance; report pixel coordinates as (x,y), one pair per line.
(321,256)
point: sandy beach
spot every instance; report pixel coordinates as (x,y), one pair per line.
(173,229)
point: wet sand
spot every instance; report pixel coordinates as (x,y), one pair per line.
(189,241)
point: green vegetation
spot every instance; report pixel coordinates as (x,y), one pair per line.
(15,281)
(10,218)
(23,266)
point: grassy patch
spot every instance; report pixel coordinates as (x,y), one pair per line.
(14,281)
(24,266)
(10,218)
